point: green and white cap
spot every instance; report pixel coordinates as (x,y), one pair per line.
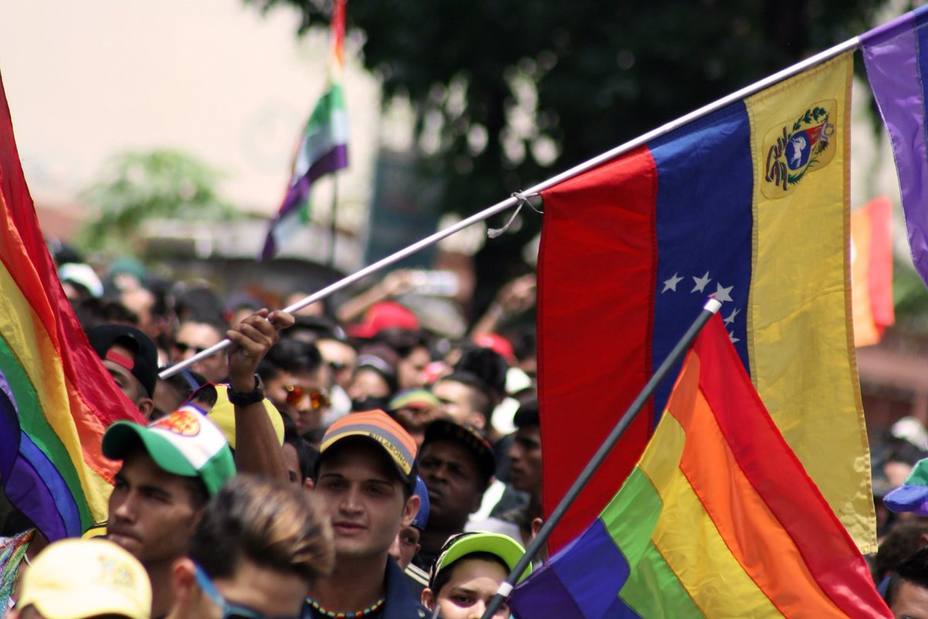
(183,443)
(459,546)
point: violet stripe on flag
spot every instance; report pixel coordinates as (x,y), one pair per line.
(896,57)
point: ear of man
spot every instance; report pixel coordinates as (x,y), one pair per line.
(410,509)
(184,584)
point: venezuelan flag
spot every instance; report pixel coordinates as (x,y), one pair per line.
(56,399)
(749,204)
(718,519)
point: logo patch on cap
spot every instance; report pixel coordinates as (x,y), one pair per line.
(183,421)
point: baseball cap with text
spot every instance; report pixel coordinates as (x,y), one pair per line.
(379,427)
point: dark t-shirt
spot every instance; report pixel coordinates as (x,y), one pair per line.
(401,600)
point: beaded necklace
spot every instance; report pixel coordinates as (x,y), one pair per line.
(367,612)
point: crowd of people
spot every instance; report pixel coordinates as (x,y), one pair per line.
(340,462)
(336,462)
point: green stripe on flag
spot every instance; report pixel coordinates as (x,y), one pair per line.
(652,589)
(33,422)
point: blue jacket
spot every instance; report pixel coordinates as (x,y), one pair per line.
(401,603)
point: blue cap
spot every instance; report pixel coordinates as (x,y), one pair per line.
(422,517)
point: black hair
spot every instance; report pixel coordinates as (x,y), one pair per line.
(443,577)
(318,327)
(913,570)
(306,454)
(897,546)
(488,366)
(402,341)
(92,312)
(482,398)
(290,355)
(199,304)
(199,495)
(527,415)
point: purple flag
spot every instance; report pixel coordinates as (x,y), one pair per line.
(896,57)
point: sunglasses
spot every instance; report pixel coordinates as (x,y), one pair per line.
(317,399)
(183,347)
(230,610)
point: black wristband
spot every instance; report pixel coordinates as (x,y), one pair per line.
(246,398)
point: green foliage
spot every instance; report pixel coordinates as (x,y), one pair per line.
(142,186)
(523,89)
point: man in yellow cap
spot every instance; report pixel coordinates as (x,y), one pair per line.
(80,579)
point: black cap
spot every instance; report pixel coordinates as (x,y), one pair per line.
(469,437)
(144,362)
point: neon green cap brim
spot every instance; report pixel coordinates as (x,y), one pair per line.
(502,546)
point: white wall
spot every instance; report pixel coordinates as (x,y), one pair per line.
(87,79)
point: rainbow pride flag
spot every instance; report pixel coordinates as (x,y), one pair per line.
(323,147)
(749,204)
(56,398)
(718,519)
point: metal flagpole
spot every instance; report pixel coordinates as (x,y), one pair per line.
(518,198)
(708,311)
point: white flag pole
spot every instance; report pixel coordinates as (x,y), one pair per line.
(518,198)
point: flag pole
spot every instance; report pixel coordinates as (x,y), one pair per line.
(333,224)
(519,197)
(709,310)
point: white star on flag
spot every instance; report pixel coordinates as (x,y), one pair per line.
(722,294)
(731,317)
(701,283)
(734,340)
(671,284)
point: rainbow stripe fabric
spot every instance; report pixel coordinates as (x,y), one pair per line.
(323,147)
(718,519)
(750,204)
(56,399)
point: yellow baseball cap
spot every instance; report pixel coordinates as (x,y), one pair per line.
(80,578)
(223,415)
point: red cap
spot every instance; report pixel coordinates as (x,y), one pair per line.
(498,344)
(382,316)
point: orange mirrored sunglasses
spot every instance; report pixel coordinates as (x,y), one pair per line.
(317,398)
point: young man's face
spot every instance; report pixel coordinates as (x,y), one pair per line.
(194,336)
(290,393)
(363,498)
(455,487)
(457,402)
(405,546)
(126,380)
(910,601)
(525,454)
(466,595)
(410,372)
(341,358)
(151,512)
